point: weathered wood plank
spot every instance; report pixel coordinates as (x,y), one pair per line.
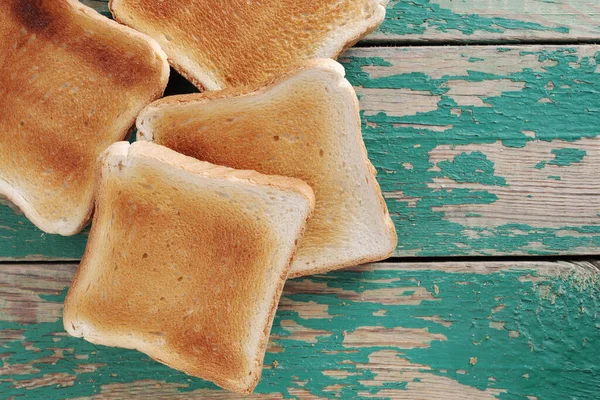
(434,331)
(464,21)
(495,21)
(485,150)
(480,151)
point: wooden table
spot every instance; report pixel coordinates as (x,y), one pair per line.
(489,157)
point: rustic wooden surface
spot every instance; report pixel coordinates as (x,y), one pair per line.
(490,21)
(405,331)
(479,21)
(480,151)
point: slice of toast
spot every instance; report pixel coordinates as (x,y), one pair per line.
(218,44)
(186,261)
(306,126)
(72,83)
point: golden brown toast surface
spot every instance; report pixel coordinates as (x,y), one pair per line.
(170,283)
(218,44)
(186,263)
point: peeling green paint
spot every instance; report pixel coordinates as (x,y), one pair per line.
(563,158)
(471,167)
(423,229)
(567,157)
(552,356)
(473,215)
(415,17)
(541,165)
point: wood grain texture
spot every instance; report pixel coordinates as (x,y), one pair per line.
(479,151)
(489,21)
(432,331)
(485,150)
(477,21)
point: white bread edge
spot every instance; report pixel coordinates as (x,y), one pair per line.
(145,128)
(393,235)
(82,216)
(339,41)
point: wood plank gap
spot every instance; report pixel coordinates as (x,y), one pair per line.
(591,259)
(475,42)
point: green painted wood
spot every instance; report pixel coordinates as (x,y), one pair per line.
(479,151)
(463,21)
(485,150)
(495,21)
(21,240)
(434,331)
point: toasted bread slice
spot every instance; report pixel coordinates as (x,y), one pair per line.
(73,82)
(218,44)
(186,261)
(306,126)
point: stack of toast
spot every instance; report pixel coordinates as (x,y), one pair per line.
(224,195)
